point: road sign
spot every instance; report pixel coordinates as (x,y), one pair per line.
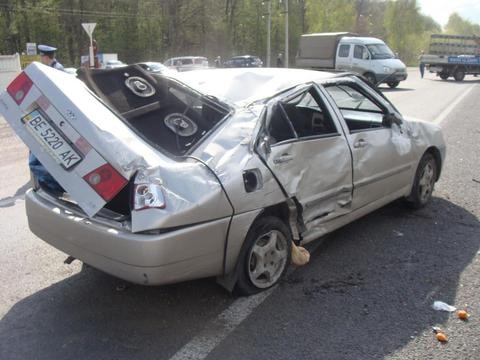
(89,27)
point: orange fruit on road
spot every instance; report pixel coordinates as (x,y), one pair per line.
(441,337)
(462,314)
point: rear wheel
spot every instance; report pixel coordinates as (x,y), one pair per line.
(265,256)
(424,182)
(459,74)
(393,84)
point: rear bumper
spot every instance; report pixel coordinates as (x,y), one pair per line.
(152,259)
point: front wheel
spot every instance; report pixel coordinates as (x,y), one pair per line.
(265,257)
(393,84)
(371,78)
(424,182)
(443,75)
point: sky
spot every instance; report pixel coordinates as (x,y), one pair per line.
(440,10)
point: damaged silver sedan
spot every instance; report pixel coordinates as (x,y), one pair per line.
(211,172)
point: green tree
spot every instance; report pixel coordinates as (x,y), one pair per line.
(330,15)
(403,24)
(458,25)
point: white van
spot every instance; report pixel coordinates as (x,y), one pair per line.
(366,56)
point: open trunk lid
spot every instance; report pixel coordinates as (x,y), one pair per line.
(93,153)
(82,144)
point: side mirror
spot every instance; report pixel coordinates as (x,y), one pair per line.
(390,119)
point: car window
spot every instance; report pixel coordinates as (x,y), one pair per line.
(279,127)
(359,52)
(359,110)
(308,115)
(187,61)
(301,116)
(343,50)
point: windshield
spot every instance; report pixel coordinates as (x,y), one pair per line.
(156,67)
(380,51)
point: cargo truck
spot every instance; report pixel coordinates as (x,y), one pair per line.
(453,55)
(343,51)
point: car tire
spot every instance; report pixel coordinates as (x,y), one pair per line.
(424,182)
(459,75)
(265,256)
(393,84)
(371,79)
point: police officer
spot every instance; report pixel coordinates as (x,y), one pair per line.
(41,176)
(47,56)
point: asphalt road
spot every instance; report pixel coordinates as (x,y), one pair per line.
(366,294)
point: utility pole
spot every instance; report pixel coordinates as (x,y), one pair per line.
(269,26)
(286,33)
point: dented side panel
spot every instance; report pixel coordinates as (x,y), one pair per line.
(192,195)
(230,153)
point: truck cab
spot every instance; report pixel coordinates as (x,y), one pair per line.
(371,58)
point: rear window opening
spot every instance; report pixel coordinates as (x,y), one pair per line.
(166,114)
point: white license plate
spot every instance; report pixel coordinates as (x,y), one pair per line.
(52,139)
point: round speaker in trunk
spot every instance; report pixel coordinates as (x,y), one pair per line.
(181,124)
(139,86)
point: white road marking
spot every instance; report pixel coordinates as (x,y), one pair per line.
(10,201)
(444,114)
(201,345)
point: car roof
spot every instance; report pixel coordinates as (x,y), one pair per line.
(149,63)
(187,57)
(242,86)
(244,56)
(361,40)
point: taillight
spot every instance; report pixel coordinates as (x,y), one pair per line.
(106,181)
(148,196)
(20,87)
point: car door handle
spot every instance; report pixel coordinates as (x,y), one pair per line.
(360,143)
(283,159)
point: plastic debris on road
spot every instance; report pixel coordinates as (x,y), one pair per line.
(300,255)
(441,306)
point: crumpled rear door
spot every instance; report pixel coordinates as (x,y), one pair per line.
(310,156)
